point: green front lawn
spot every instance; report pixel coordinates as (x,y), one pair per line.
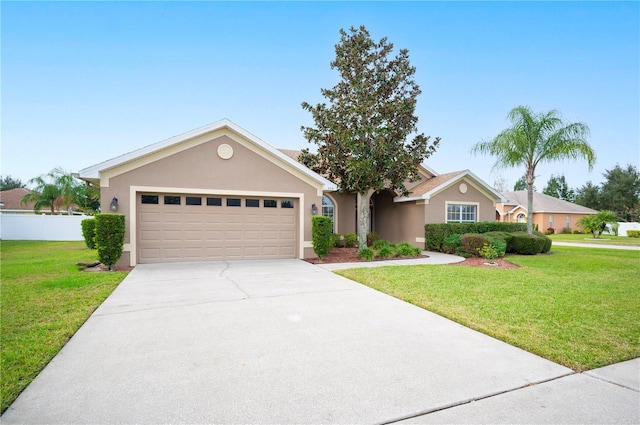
(44,299)
(604,239)
(579,307)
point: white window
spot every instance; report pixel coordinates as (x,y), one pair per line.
(461,213)
(328,210)
(568,226)
(522,218)
(550,220)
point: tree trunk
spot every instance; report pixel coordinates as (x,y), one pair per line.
(362,200)
(529,205)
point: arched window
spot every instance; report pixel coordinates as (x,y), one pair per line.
(328,210)
(521,218)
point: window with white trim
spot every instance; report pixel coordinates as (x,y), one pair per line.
(328,210)
(461,213)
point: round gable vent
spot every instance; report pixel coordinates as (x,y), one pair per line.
(462,188)
(225,151)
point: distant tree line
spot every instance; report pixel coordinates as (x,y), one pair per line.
(619,193)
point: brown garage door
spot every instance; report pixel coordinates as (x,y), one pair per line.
(179,227)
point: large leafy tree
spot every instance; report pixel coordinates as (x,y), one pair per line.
(620,192)
(521,184)
(535,138)
(558,188)
(8,183)
(367,132)
(589,196)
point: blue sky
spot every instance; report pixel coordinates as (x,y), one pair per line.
(84,82)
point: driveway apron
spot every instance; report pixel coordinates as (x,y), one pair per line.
(266,342)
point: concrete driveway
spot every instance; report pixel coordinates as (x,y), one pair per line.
(270,342)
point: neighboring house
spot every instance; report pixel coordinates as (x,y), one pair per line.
(548,212)
(219,193)
(10,201)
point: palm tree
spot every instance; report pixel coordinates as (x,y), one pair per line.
(533,139)
(55,190)
(44,194)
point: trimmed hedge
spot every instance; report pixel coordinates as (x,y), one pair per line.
(633,233)
(322,235)
(89,232)
(472,243)
(109,238)
(435,233)
(526,244)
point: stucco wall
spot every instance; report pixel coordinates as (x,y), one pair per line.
(398,222)
(346,212)
(436,209)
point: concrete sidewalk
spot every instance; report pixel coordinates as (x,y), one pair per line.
(431,258)
(597,245)
(288,342)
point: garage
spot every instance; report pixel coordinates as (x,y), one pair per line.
(175,227)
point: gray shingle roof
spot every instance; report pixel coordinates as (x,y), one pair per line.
(545,203)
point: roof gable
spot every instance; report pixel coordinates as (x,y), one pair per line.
(167,147)
(433,186)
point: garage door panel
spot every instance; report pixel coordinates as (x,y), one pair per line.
(210,232)
(193,235)
(214,236)
(269,235)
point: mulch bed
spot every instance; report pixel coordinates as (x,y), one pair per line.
(350,255)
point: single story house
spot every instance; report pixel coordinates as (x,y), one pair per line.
(10,201)
(548,212)
(220,193)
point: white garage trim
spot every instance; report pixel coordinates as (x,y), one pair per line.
(134,190)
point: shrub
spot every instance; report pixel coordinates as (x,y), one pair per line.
(321,235)
(379,243)
(566,231)
(488,252)
(550,231)
(472,242)
(386,251)
(452,243)
(499,245)
(526,244)
(577,232)
(337,240)
(372,237)
(89,232)
(546,247)
(435,233)
(633,233)
(109,238)
(350,240)
(405,249)
(366,254)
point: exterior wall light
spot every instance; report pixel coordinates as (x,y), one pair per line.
(314,209)
(114,204)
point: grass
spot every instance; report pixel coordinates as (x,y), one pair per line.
(44,299)
(604,239)
(579,307)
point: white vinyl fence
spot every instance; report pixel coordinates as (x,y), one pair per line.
(41,227)
(623,227)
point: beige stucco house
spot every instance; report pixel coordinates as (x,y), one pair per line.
(548,212)
(219,192)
